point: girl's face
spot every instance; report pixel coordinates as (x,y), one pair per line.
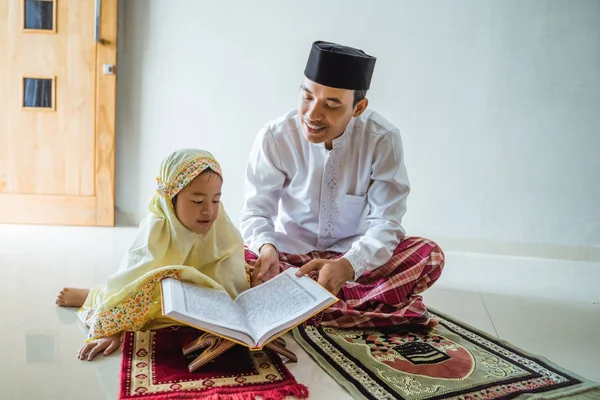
(197,204)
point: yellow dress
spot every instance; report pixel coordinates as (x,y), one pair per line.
(163,248)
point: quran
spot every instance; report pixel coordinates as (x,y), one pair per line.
(255,317)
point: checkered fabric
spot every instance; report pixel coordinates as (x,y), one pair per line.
(386,296)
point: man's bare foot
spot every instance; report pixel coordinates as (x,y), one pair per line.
(71,297)
(432,324)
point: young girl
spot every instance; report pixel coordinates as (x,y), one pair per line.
(187,236)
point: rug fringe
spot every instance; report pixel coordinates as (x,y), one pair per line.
(297,390)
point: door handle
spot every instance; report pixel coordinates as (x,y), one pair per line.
(97,37)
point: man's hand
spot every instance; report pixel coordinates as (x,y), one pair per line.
(333,274)
(267,265)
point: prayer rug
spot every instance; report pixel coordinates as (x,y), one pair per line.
(454,361)
(154,368)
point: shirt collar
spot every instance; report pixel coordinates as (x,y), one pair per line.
(339,141)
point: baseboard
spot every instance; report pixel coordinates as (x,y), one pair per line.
(514,249)
(558,279)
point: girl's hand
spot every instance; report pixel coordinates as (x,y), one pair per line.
(107,344)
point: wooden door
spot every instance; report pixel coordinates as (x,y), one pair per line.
(57,111)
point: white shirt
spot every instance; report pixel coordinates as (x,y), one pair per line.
(301,197)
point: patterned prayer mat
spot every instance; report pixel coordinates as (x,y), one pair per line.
(455,361)
(154,368)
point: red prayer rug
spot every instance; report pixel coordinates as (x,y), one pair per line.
(454,361)
(154,368)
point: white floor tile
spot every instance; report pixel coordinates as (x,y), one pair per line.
(40,362)
(320,385)
(465,306)
(39,341)
(566,333)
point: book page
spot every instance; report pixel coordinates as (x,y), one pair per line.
(213,306)
(274,303)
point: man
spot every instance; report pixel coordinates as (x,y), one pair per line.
(326,191)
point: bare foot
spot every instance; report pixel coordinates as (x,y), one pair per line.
(71,297)
(432,324)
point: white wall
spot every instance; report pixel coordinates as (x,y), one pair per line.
(498,102)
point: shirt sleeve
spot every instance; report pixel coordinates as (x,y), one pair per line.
(386,198)
(263,185)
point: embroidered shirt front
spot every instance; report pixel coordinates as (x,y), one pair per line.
(351,199)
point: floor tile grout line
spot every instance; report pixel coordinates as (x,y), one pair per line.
(488,314)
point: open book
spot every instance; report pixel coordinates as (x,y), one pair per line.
(256,316)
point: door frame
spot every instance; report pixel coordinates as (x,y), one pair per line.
(106,105)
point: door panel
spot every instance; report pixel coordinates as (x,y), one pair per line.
(57,112)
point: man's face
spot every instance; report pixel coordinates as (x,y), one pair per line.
(325,111)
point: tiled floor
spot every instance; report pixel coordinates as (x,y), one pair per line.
(39,341)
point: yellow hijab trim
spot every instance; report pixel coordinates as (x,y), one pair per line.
(185,176)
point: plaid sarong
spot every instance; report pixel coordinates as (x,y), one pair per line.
(386,296)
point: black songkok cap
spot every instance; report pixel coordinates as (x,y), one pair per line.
(338,66)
